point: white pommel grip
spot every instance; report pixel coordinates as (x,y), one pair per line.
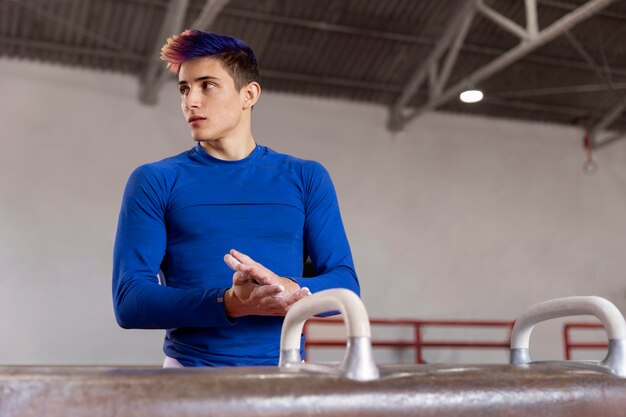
(358,362)
(348,304)
(604,310)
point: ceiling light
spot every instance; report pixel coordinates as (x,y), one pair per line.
(471,96)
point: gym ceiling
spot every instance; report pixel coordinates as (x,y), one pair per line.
(557,61)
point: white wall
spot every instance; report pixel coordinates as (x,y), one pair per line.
(457,217)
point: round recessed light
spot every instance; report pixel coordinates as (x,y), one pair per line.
(471,96)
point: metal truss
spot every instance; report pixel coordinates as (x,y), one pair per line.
(599,136)
(155,74)
(531,38)
(616,110)
(325,26)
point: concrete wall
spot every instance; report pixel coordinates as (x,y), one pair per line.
(456,217)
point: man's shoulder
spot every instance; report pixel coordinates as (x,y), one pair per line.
(304,165)
(164,167)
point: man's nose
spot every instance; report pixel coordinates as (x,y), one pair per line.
(193,99)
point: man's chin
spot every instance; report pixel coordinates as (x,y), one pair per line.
(202,139)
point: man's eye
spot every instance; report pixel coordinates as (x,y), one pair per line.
(207,86)
(183,90)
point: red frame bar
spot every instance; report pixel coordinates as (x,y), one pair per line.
(417,343)
(569,345)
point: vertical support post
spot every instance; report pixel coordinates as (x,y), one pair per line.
(305,329)
(418,344)
(566,343)
(433,82)
(532,24)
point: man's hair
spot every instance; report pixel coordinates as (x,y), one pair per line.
(237,57)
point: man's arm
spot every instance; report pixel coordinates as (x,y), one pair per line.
(324,235)
(139,301)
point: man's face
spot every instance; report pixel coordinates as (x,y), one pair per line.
(211,104)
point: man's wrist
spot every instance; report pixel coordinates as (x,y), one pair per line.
(290,285)
(234,307)
(231,303)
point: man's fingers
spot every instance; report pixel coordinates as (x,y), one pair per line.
(231,262)
(259,274)
(267,292)
(297,296)
(272,300)
(303,292)
(240,278)
(242,257)
(247,271)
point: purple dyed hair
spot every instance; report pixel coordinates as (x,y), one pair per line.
(237,57)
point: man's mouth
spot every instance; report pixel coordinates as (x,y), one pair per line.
(193,119)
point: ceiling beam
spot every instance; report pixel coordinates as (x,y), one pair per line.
(607,120)
(86,51)
(611,138)
(208,14)
(602,75)
(563,5)
(532,22)
(567,89)
(172,23)
(525,47)
(502,21)
(16,4)
(452,38)
(537,107)
(440,79)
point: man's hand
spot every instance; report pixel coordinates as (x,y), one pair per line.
(257,290)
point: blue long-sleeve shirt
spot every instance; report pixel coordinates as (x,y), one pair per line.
(181,215)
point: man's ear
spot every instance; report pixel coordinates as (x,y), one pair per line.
(250,94)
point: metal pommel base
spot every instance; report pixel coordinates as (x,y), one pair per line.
(288,356)
(358,362)
(615,360)
(520,356)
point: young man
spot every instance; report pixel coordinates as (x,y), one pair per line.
(226,205)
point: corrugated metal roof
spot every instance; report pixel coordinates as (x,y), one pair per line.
(361,50)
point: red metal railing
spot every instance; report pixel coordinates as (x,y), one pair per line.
(567,339)
(418,343)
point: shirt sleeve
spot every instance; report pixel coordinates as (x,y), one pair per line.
(324,236)
(139,300)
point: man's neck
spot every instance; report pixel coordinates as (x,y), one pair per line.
(228,149)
